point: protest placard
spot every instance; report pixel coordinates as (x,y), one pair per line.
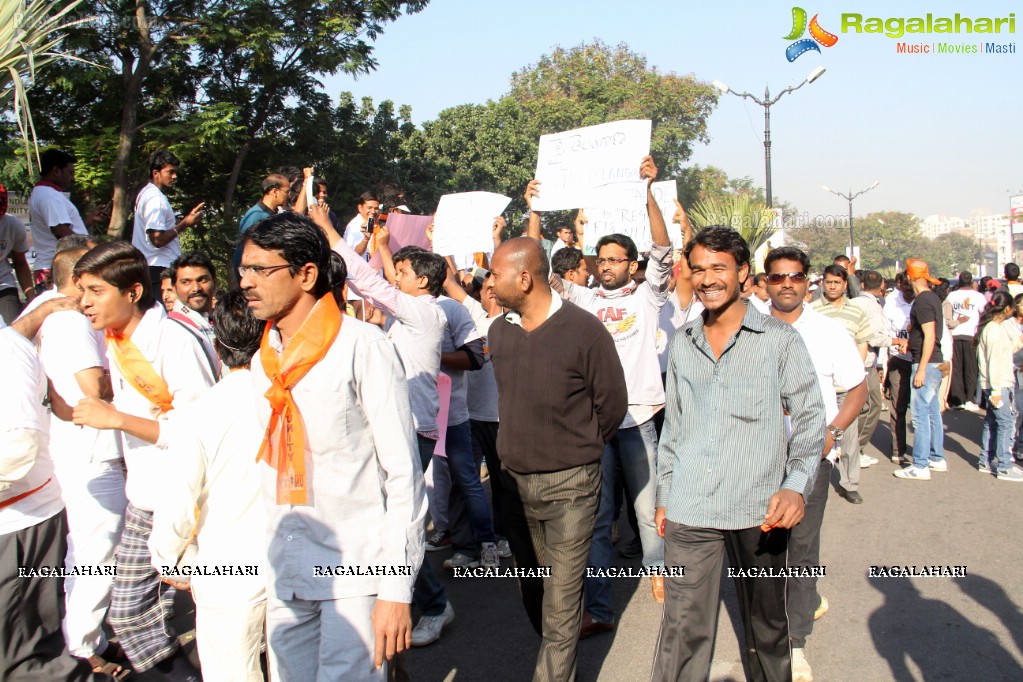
(575,167)
(405,230)
(465,222)
(622,210)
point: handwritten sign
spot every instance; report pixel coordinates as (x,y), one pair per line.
(406,230)
(577,166)
(465,222)
(622,210)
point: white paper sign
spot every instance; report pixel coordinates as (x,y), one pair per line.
(465,222)
(622,210)
(575,167)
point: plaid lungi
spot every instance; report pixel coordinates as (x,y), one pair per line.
(139,602)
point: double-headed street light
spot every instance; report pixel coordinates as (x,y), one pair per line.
(849,197)
(766,104)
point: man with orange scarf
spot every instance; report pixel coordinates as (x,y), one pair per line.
(155,366)
(343,486)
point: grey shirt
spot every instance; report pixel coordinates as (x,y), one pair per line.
(724,449)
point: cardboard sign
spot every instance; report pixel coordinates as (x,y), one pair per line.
(465,222)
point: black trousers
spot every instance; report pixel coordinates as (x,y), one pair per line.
(963,385)
(32,644)
(689,621)
(899,383)
(805,550)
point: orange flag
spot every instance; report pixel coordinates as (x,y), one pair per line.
(140,373)
(307,347)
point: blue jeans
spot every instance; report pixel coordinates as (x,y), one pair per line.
(467,497)
(636,449)
(997,435)
(925,402)
(428,594)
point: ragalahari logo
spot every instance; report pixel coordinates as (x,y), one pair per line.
(817,35)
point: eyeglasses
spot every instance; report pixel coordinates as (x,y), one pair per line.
(612,261)
(780,277)
(262,271)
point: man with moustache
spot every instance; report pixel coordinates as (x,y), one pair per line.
(731,478)
(195,281)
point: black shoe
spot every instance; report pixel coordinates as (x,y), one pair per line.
(852,496)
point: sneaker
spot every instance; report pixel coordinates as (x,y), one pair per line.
(914,473)
(867,460)
(984,468)
(822,608)
(427,630)
(1013,474)
(937,465)
(896,459)
(462,560)
(800,668)
(488,555)
(503,548)
(438,541)
(972,407)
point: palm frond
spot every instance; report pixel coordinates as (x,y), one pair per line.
(752,219)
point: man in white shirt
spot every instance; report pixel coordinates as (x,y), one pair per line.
(358,230)
(353,493)
(967,305)
(898,379)
(87,463)
(630,312)
(13,247)
(155,367)
(837,362)
(33,526)
(52,215)
(156,227)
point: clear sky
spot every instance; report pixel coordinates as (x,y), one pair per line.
(941,132)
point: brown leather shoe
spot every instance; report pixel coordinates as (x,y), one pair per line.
(593,627)
(657,588)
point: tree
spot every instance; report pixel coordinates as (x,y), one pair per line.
(752,219)
(30,32)
(948,254)
(221,78)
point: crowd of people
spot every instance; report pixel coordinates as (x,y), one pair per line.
(288,448)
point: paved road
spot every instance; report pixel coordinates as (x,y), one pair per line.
(928,629)
(877,629)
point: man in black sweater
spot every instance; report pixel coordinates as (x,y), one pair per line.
(561,397)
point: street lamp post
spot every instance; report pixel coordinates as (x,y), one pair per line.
(849,197)
(766,104)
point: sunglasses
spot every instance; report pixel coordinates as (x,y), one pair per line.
(780,277)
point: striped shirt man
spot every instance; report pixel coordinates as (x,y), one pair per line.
(724,450)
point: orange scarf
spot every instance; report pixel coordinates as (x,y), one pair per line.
(307,347)
(139,372)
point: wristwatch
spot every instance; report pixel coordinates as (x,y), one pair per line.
(836,432)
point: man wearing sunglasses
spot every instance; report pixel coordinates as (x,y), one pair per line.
(630,312)
(837,362)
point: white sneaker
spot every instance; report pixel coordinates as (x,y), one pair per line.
(800,667)
(866,461)
(428,629)
(914,473)
(972,407)
(488,555)
(503,548)
(940,465)
(461,560)
(1013,474)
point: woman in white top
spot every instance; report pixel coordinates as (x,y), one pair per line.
(995,347)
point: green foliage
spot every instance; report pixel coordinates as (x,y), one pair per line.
(750,218)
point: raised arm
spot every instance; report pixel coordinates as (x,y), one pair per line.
(658,230)
(533,230)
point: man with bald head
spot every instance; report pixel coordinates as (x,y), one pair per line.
(561,397)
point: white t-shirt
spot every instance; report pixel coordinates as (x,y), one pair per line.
(482,385)
(13,238)
(21,410)
(178,357)
(153,212)
(969,303)
(353,234)
(896,313)
(458,331)
(67,345)
(673,317)
(835,357)
(48,208)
